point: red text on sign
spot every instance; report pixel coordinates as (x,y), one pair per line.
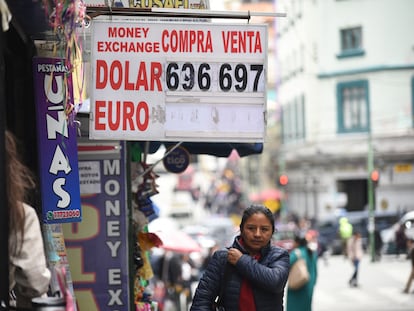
(242,41)
(128,32)
(118,76)
(127,47)
(187,41)
(125,116)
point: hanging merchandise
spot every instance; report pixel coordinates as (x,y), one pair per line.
(67,18)
(145,188)
(65,290)
(143,270)
(147,240)
(61,285)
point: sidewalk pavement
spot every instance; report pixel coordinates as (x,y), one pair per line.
(381,285)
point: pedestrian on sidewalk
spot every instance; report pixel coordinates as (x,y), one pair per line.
(378,243)
(355,253)
(410,248)
(300,299)
(29,276)
(400,241)
(345,232)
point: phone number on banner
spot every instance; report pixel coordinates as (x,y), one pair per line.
(225,77)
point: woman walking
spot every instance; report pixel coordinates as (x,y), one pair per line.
(301,299)
(355,253)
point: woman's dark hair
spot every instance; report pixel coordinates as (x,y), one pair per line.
(19,181)
(300,239)
(255,209)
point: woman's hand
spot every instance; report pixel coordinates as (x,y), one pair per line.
(233,255)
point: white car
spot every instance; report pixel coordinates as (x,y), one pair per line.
(388,235)
(408,221)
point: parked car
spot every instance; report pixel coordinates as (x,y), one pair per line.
(328,230)
(328,236)
(388,234)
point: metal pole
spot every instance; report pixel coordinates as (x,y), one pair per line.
(4,209)
(184,13)
(215,14)
(371,214)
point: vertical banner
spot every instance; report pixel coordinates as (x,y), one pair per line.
(58,158)
(98,247)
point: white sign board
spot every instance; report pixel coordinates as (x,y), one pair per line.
(176,81)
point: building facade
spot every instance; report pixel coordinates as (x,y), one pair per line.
(346,90)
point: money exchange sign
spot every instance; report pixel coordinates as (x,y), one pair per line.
(178,81)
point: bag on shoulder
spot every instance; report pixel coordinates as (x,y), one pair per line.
(218,302)
(298,274)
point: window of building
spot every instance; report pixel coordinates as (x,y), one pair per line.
(351,42)
(293,120)
(353,107)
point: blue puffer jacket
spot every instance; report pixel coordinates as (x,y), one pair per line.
(267,277)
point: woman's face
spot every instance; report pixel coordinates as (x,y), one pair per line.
(256,232)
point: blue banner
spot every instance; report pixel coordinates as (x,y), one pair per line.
(98,247)
(57,142)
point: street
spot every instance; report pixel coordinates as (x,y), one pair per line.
(381,285)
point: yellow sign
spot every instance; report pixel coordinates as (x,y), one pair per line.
(403,168)
(273,205)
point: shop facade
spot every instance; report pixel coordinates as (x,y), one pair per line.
(95,223)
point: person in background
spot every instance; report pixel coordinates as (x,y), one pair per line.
(410,248)
(345,233)
(378,243)
(208,257)
(400,241)
(187,267)
(355,253)
(301,299)
(29,276)
(252,272)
